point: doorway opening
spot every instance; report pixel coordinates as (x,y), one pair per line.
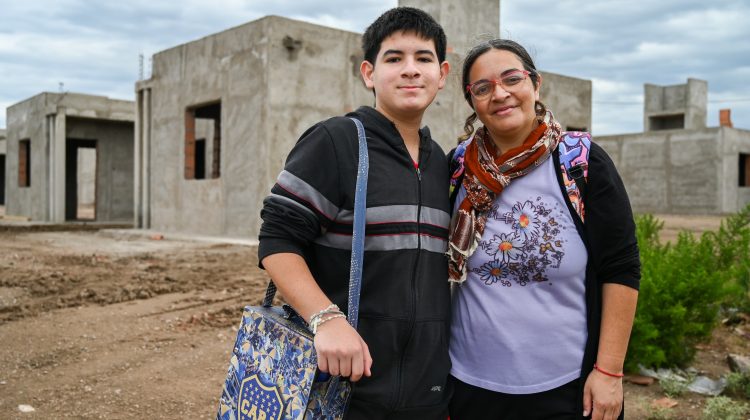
(80,179)
(2,180)
(744,170)
(203,141)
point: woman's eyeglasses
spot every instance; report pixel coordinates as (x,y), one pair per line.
(510,82)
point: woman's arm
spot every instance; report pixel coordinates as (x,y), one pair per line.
(603,393)
(614,249)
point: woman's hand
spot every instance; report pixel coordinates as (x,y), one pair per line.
(341,350)
(603,395)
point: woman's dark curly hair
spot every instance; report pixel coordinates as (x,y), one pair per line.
(479,50)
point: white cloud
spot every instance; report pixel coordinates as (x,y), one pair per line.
(708,25)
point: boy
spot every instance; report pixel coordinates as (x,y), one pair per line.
(399,350)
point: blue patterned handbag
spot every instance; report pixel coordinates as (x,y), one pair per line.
(273,369)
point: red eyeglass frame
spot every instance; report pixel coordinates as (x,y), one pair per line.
(497,81)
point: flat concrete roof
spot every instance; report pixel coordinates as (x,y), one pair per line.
(83,105)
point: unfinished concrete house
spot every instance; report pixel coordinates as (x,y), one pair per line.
(218,116)
(70,157)
(678,165)
(3,147)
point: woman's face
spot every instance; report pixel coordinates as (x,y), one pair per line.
(509,114)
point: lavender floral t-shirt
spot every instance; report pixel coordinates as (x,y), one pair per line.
(519,320)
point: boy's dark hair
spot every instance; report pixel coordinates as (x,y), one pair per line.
(407,19)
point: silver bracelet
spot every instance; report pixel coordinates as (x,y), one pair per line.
(316,320)
(328,309)
(320,322)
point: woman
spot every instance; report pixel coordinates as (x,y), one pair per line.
(545,301)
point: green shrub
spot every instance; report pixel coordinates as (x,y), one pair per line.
(724,408)
(682,287)
(647,229)
(738,384)
(733,255)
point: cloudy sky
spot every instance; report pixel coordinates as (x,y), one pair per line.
(93,46)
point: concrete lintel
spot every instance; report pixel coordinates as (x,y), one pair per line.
(93,114)
(144,84)
(85,106)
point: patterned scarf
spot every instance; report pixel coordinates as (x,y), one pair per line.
(485,178)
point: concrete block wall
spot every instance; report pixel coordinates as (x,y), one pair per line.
(27,120)
(697,100)
(681,171)
(568,98)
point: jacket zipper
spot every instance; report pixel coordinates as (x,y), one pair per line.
(413,315)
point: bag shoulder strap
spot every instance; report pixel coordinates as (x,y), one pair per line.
(358,234)
(456,161)
(573,152)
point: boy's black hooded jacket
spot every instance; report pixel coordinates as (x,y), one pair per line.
(405,299)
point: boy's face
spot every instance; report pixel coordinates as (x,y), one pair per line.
(406,76)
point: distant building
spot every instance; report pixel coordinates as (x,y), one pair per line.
(678,165)
(70,157)
(218,116)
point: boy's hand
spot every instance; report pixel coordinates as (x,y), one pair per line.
(341,350)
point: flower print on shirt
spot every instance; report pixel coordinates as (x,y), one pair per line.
(533,245)
(525,219)
(506,247)
(492,272)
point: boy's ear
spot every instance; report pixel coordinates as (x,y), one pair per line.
(366,68)
(445,68)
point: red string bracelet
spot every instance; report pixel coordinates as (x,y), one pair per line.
(614,375)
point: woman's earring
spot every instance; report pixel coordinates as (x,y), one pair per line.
(540,110)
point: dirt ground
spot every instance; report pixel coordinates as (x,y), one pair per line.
(117,325)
